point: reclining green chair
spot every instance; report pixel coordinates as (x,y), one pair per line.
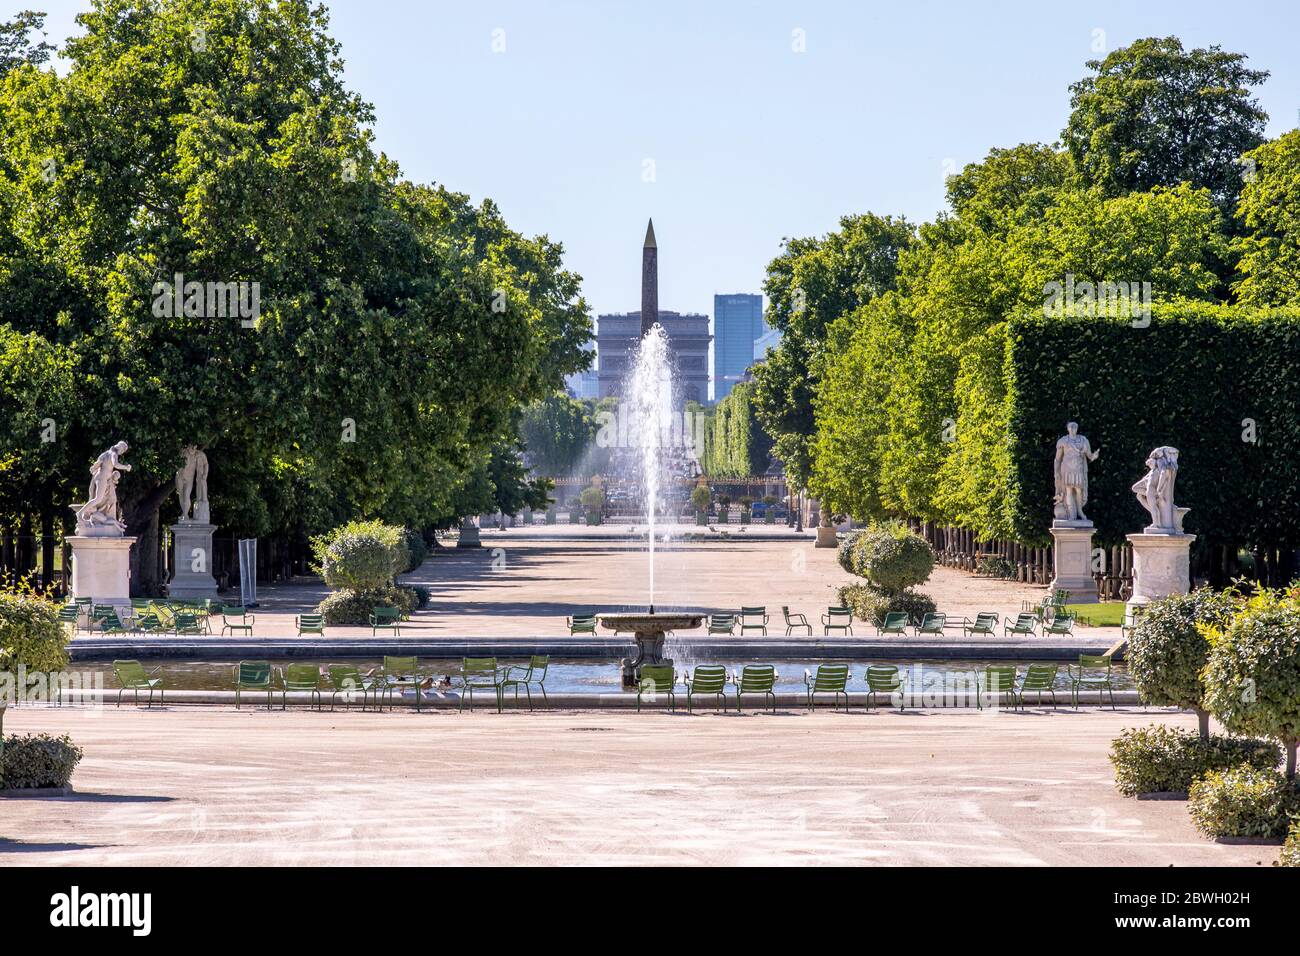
(310,624)
(479,673)
(253,675)
(999,681)
(581,624)
(722,624)
(1026,623)
(300,677)
(1062,623)
(983,626)
(1093,672)
(794,620)
(895,622)
(756,679)
(1039,679)
(829,679)
(71,614)
(386,618)
(657,679)
(187,622)
(753,619)
(517,676)
(346,679)
(838,619)
(932,624)
(706,680)
(131,676)
(105,615)
(884,679)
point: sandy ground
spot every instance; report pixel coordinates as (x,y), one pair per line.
(216,786)
(521,584)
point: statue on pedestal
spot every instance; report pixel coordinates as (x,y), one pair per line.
(192,479)
(1155,491)
(101,513)
(1070,471)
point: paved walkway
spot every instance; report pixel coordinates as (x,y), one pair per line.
(204,786)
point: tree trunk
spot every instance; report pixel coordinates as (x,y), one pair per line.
(1290,759)
(142,523)
(47,548)
(1203,723)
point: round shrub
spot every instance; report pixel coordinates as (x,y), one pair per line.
(1291,848)
(31,634)
(1252,679)
(362,555)
(1243,802)
(352,608)
(38,760)
(1164,759)
(1168,649)
(891,557)
(871,605)
(701,498)
(417,549)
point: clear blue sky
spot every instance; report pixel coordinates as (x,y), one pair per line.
(751,141)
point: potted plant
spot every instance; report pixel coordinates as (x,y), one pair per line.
(701,498)
(593,502)
(746,509)
(769,509)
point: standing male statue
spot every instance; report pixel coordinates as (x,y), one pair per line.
(1155,490)
(101,508)
(1070,470)
(192,479)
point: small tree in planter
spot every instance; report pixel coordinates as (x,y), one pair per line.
(1252,679)
(1168,650)
(593,502)
(769,512)
(894,560)
(746,510)
(701,499)
(724,508)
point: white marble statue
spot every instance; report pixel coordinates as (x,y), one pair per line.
(192,480)
(101,510)
(1070,470)
(1155,491)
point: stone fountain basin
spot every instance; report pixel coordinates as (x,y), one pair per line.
(645,623)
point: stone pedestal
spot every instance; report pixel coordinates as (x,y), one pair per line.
(1160,568)
(1072,556)
(826,537)
(101,569)
(469,536)
(192,578)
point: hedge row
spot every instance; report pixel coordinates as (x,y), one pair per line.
(735,445)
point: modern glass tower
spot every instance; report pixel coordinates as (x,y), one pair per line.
(737,323)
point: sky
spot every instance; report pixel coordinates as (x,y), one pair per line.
(734,124)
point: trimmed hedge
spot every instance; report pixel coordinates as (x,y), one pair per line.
(37,761)
(362,555)
(352,608)
(735,445)
(31,634)
(1243,802)
(870,604)
(1164,759)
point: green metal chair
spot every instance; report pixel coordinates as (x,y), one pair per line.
(300,677)
(517,676)
(581,624)
(983,625)
(310,624)
(884,679)
(999,680)
(187,622)
(105,615)
(722,624)
(657,679)
(753,619)
(131,676)
(1026,623)
(895,622)
(398,673)
(234,618)
(1039,679)
(1093,672)
(931,624)
(479,673)
(838,619)
(756,679)
(386,618)
(1062,623)
(794,620)
(71,614)
(146,622)
(346,679)
(253,675)
(706,679)
(829,679)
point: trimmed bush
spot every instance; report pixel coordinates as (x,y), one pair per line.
(1243,803)
(1291,848)
(362,555)
(1167,649)
(869,604)
(37,761)
(347,607)
(890,556)
(1252,679)
(1164,759)
(31,634)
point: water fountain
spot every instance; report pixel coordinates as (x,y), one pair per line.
(650,402)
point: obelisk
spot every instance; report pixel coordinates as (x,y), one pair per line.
(649,281)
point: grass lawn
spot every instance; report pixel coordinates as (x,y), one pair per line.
(1110,614)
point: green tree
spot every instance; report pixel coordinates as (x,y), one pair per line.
(1268,263)
(1154,114)
(16,46)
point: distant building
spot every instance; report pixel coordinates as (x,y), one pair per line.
(765,343)
(737,324)
(619,334)
(584,384)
